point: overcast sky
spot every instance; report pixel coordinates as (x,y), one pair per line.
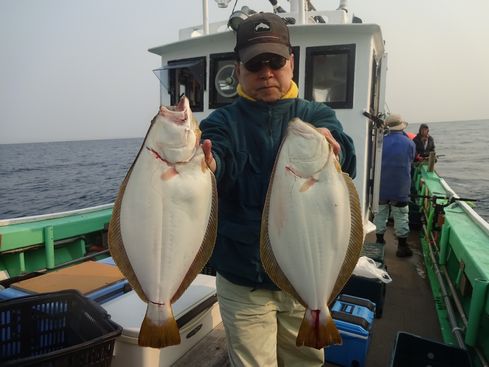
(74,70)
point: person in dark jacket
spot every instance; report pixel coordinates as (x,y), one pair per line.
(398,153)
(424,143)
(241,142)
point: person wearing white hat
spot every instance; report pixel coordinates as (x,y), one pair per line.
(398,153)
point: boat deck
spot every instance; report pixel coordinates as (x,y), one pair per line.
(408,306)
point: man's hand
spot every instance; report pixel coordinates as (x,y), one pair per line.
(329,137)
(208,156)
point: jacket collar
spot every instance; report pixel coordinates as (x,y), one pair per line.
(293,92)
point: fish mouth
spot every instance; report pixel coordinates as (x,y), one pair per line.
(183,104)
(179,114)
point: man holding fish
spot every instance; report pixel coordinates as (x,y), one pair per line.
(241,143)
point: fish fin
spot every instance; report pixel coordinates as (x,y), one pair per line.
(116,245)
(159,328)
(308,184)
(272,268)
(337,165)
(203,165)
(335,159)
(197,131)
(169,173)
(356,239)
(207,246)
(317,330)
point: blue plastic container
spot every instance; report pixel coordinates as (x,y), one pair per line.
(353,317)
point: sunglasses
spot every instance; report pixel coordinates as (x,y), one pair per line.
(275,62)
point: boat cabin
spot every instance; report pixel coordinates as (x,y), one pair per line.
(338,62)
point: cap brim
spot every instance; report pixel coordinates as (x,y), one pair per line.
(246,54)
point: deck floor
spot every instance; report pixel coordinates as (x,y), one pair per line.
(408,306)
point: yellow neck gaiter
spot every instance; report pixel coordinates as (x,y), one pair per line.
(293,92)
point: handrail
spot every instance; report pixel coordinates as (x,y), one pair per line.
(476,218)
(34,218)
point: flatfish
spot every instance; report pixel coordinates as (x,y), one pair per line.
(164,221)
(312,232)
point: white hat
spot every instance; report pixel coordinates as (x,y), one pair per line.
(395,122)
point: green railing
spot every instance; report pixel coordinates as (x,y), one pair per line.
(455,242)
(44,242)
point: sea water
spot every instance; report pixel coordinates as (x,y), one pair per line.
(42,178)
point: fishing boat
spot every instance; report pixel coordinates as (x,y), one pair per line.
(342,62)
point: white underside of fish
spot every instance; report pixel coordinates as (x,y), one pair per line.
(312,230)
(309,230)
(165,221)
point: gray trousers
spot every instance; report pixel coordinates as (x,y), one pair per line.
(400,216)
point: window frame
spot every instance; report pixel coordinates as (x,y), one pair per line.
(172,66)
(214,59)
(347,49)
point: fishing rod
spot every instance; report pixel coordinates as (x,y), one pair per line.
(436,156)
(451,199)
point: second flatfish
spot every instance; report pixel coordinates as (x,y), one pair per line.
(312,229)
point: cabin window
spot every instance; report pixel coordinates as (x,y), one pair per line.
(187,77)
(223,80)
(330,75)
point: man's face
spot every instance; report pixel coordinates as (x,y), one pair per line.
(425,131)
(267,84)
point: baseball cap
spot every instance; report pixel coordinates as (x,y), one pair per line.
(262,33)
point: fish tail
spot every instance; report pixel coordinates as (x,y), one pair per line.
(159,328)
(318,330)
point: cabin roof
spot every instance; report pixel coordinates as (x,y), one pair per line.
(351,30)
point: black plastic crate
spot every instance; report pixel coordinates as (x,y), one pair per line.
(56,329)
(414,351)
(372,289)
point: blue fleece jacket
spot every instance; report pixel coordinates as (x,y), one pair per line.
(398,154)
(246,136)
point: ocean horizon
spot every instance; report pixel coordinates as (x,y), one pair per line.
(410,129)
(48,177)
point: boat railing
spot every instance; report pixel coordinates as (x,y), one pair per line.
(45,241)
(454,241)
(476,218)
(37,218)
